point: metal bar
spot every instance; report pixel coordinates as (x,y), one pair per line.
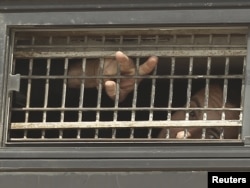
(225,87)
(235,76)
(207,88)
(69,141)
(243,30)
(64,90)
(152,101)
(167,52)
(99,96)
(82,90)
(20,48)
(117,98)
(100,83)
(133,112)
(203,136)
(28,93)
(127,124)
(121,109)
(189,87)
(243,83)
(246,117)
(117,94)
(46,94)
(170,99)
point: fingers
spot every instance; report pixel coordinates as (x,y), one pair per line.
(110,87)
(148,66)
(127,67)
(181,135)
(126,64)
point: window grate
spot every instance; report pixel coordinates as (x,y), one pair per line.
(196,88)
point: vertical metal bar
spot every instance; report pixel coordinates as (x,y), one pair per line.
(29,90)
(242,96)
(203,136)
(43,132)
(225,87)
(152,101)
(243,83)
(64,90)
(99,96)
(46,96)
(207,87)
(80,113)
(6,55)
(46,90)
(78,136)
(170,99)
(60,134)
(100,82)
(189,89)
(134,97)
(117,96)
(246,117)
(82,90)
(25,133)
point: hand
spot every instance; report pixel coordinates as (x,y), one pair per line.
(127,67)
(110,67)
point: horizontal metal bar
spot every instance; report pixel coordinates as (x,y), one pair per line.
(108,45)
(235,76)
(122,109)
(128,124)
(69,31)
(118,151)
(65,141)
(170,52)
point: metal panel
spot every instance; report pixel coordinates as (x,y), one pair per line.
(3,66)
(220,157)
(61,5)
(103,179)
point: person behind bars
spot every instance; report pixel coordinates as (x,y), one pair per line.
(110,68)
(127,67)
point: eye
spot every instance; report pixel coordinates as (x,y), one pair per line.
(192,114)
(213,134)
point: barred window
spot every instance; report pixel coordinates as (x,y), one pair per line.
(195,93)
